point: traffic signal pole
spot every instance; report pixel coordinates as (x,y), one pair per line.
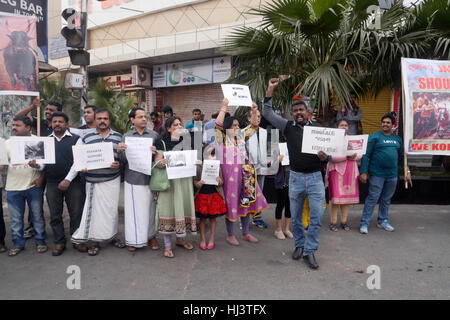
(84,72)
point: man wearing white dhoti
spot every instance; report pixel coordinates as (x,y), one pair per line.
(99,222)
(140,205)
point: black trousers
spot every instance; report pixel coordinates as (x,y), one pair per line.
(74,198)
(2,221)
(283,203)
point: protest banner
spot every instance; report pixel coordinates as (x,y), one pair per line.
(356,144)
(19,67)
(139,154)
(210,172)
(426,91)
(26,149)
(237,95)
(93,156)
(285,153)
(331,141)
(3,153)
(181,164)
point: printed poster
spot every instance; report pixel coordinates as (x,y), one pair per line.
(426,85)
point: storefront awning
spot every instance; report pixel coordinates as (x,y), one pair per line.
(45,67)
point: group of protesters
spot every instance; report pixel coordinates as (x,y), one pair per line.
(185,205)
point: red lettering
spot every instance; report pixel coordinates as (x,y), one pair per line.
(430,83)
(417,146)
(422,84)
(446,83)
(444,69)
(426,147)
(435,147)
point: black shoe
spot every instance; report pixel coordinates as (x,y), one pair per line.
(298,253)
(311,261)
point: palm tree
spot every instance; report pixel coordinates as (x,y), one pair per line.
(329,48)
(116,102)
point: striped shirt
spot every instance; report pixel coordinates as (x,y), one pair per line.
(106,174)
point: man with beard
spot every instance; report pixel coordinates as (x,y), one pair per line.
(100,219)
(140,205)
(21,187)
(305,176)
(384,155)
(57,192)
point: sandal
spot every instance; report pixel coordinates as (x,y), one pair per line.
(131,249)
(15,251)
(3,248)
(117,243)
(93,251)
(154,244)
(185,245)
(333,227)
(168,253)
(345,226)
(42,248)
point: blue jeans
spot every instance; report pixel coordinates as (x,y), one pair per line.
(302,185)
(379,189)
(16,207)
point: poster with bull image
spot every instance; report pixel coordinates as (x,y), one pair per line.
(19,67)
(26,149)
(426,85)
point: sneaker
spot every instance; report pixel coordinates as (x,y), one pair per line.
(260,223)
(28,233)
(386,226)
(363,230)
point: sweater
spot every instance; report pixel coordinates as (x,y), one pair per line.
(55,173)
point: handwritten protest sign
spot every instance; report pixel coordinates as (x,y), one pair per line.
(237,95)
(330,141)
(26,149)
(93,156)
(139,154)
(210,172)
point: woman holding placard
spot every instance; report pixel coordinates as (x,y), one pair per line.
(175,211)
(209,203)
(342,181)
(242,193)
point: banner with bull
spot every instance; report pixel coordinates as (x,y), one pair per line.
(18,56)
(426,88)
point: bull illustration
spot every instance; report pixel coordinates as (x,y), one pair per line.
(20,59)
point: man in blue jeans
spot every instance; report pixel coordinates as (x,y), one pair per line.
(22,186)
(384,155)
(305,176)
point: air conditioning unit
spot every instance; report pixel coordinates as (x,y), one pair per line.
(141,76)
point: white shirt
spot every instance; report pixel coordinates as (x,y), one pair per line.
(20,177)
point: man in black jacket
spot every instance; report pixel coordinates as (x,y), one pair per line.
(55,174)
(305,176)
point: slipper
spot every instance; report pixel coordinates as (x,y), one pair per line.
(15,251)
(93,251)
(185,245)
(132,249)
(42,248)
(210,247)
(3,248)
(117,243)
(168,253)
(345,226)
(205,247)
(250,238)
(154,244)
(233,241)
(333,227)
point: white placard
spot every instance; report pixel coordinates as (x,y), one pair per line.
(26,149)
(93,156)
(356,144)
(210,172)
(331,141)
(139,154)
(181,164)
(237,95)
(285,153)
(3,153)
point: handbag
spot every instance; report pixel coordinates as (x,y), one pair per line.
(159,180)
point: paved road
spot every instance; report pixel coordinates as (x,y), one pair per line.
(414,262)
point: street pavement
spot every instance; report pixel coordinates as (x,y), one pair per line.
(414,263)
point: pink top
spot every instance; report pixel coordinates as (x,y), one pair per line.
(340,164)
